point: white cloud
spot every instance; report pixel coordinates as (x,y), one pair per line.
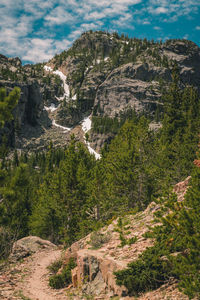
(59,16)
(159,10)
(146,23)
(173,9)
(84,27)
(30,28)
(124,21)
(39,50)
(157,28)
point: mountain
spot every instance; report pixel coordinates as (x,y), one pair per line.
(105,75)
(136,100)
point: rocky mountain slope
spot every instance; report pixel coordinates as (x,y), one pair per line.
(104,74)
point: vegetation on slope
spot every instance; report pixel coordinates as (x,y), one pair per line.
(7,104)
(63,194)
(175,253)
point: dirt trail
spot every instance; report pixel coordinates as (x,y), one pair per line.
(35,285)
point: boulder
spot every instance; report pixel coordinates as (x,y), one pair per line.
(27,246)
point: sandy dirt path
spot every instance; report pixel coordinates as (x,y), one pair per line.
(35,285)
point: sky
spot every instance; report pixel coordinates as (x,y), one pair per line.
(36,30)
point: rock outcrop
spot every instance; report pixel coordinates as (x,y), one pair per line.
(27,246)
(93,276)
(109,75)
(106,75)
(95,269)
(37,89)
(94,273)
(128,87)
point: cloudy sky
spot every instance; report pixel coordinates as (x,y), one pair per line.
(35,30)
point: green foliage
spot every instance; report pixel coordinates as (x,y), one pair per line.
(112,125)
(55,266)
(179,235)
(63,194)
(126,164)
(58,212)
(15,206)
(147,273)
(7,104)
(122,229)
(179,134)
(63,279)
(97,239)
(6,242)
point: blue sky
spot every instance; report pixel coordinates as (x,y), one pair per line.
(35,30)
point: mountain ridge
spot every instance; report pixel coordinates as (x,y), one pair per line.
(106,75)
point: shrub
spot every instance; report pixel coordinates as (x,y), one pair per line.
(6,242)
(97,239)
(149,272)
(62,280)
(55,266)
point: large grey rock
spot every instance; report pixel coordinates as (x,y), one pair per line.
(129,86)
(27,246)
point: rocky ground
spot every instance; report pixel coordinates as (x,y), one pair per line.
(26,275)
(97,256)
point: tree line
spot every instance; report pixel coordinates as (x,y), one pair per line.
(63,194)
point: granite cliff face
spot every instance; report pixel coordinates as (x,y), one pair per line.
(36,90)
(109,74)
(105,75)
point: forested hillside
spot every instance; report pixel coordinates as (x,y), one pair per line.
(64,193)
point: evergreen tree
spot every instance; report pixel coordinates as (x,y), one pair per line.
(58,212)
(16,206)
(128,175)
(7,104)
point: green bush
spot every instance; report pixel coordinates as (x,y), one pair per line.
(6,242)
(62,280)
(55,266)
(149,272)
(97,239)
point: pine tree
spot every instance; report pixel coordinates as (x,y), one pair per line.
(7,104)
(16,205)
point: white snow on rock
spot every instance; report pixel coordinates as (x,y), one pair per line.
(47,68)
(63,78)
(97,155)
(98,61)
(106,58)
(60,126)
(66,86)
(86,126)
(51,108)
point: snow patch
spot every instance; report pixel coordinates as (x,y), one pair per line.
(66,86)
(86,126)
(98,61)
(106,58)
(51,108)
(63,78)
(60,126)
(97,155)
(74,97)
(48,69)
